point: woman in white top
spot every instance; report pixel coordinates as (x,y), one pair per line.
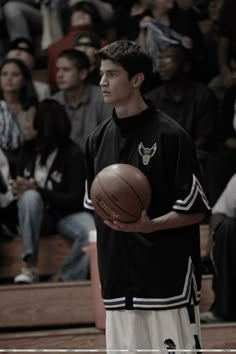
(18,100)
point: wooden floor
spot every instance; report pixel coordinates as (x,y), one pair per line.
(64,315)
(215,336)
(78,338)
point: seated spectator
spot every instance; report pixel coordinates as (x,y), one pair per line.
(22,49)
(223,231)
(3,37)
(104,8)
(50,190)
(126,18)
(8,215)
(168,23)
(18,100)
(83,16)
(52,23)
(221,164)
(227,40)
(210,29)
(88,42)
(190,103)
(201,6)
(83,102)
(217,83)
(22,18)
(188,5)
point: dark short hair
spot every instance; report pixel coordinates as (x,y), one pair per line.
(94,39)
(130,56)
(52,114)
(183,53)
(78,57)
(15,44)
(88,8)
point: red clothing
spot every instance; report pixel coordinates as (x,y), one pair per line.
(55,48)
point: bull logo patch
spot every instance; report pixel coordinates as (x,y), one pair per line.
(146,152)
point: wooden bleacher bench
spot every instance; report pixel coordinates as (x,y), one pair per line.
(204,236)
(61,315)
(52,251)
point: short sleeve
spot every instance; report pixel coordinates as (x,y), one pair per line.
(189,194)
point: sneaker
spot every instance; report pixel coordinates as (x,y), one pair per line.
(210,317)
(27,276)
(55,278)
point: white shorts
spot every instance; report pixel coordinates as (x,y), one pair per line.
(155,330)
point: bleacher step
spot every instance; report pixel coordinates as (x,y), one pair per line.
(65,303)
(52,251)
(46,304)
(219,336)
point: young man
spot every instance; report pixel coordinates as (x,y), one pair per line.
(192,104)
(82,101)
(150,269)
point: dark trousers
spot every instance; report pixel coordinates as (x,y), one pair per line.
(224,281)
(220,167)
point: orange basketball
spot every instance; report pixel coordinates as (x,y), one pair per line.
(120,192)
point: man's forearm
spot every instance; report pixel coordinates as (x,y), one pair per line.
(173,220)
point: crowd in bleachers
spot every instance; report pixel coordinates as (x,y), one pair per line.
(44,125)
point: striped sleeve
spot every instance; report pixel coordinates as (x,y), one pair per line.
(87,201)
(189,194)
(195,194)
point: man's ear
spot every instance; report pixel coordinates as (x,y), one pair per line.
(83,74)
(137,79)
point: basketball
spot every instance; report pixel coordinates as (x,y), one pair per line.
(120,192)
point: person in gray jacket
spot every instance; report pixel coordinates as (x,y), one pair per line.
(82,101)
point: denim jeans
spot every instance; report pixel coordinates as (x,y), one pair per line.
(21,19)
(75,227)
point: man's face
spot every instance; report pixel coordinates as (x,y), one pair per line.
(117,88)
(170,66)
(214,9)
(81,18)
(68,76)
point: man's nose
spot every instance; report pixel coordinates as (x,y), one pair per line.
(102,81)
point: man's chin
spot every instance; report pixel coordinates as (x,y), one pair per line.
(107,99)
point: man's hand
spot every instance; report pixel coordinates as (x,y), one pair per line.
(187,42)
(143,224)
(226,76)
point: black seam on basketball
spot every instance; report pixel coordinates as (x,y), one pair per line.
(121,209)
(140,200)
